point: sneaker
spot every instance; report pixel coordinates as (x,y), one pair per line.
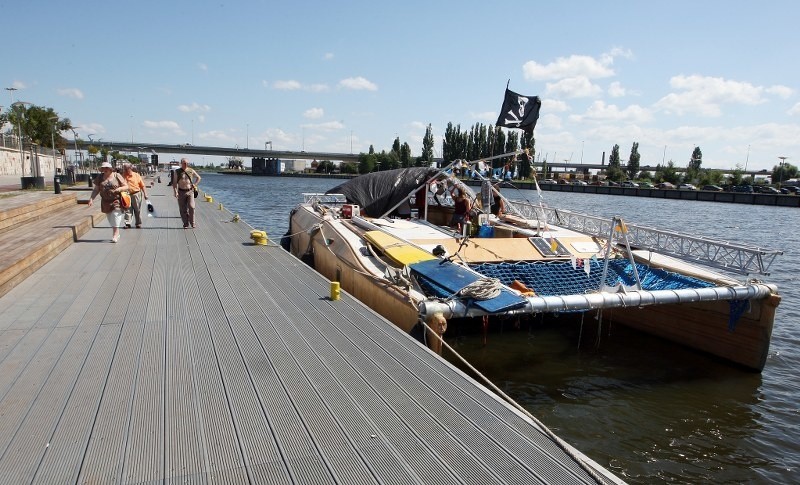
(193,226)
(115,239)
(138,226)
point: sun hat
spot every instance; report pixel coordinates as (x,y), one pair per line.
(106,165)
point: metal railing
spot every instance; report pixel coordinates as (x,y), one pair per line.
(737,258)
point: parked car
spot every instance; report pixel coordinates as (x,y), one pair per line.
(646,185)
(687,187)
(628,183)
(578,182)
(547,181)
(713,188)
(768,189)
(748,189)
(665,185)
(789,189)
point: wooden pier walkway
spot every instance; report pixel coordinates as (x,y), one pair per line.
(194,356)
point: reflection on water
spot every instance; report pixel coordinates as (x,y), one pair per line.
(647,409)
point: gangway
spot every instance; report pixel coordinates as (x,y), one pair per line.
(737,258)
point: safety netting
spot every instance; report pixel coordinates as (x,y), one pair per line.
(583,276)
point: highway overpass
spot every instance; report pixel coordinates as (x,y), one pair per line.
(187,149)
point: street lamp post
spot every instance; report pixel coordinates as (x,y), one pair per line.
(780,170)
(20,120)
(56,179)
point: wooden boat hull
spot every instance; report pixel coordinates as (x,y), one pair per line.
(705,326)
(337,260)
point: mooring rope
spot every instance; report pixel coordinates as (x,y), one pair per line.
(565,447)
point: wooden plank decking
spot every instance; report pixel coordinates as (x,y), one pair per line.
(194,356)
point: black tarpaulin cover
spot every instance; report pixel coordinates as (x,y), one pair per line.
(377,192)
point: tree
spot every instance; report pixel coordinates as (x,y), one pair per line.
(405,155)
(783,172)
(633,161)
(614,171)
(366,162)
(693,169)
(325,166)
(38,124)
(427,145)
(667,174)
(735,178)
(348,167)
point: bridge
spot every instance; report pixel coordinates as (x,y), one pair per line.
(188,149)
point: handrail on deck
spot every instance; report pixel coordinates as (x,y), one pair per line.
(734,257)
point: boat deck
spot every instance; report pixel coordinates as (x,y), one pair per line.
(196,356)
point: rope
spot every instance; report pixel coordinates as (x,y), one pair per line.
(565,447)
(482,289)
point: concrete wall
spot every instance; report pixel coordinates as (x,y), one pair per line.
(10,163)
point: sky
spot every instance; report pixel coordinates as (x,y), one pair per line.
(339,76)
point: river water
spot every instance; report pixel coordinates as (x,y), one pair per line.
(648,410)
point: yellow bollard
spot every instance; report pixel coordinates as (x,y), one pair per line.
(336,290)
(258,237)
(209,198)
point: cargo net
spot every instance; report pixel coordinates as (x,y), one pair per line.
(561,278)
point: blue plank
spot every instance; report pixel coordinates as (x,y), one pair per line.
(450,277)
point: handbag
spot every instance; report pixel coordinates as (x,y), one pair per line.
(195,191)
(125,199)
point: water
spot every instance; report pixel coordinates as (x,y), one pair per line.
(646,409)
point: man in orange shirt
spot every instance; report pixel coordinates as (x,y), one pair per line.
(137,189)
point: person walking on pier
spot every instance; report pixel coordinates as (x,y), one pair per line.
(109,185)
(137,189)
(184,183)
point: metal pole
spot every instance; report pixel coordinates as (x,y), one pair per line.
(56,179)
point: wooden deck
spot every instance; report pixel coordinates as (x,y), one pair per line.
(194,356)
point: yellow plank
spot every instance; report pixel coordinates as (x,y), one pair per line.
(396,249)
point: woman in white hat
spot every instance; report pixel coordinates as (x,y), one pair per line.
(109,184)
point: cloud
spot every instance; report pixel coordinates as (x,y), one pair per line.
(486,115)
(314,113)
(70,93)
(358,83)
(287,85)
(615,90)
(292,85)
(554,106)
(202,66)
(327,126)
(780,91)
(573,66)
(704,96)
(194,107)
(573,87)
(328,56)
(18,85)
(794,110)
(600,112)
(170,126)
(217,136)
